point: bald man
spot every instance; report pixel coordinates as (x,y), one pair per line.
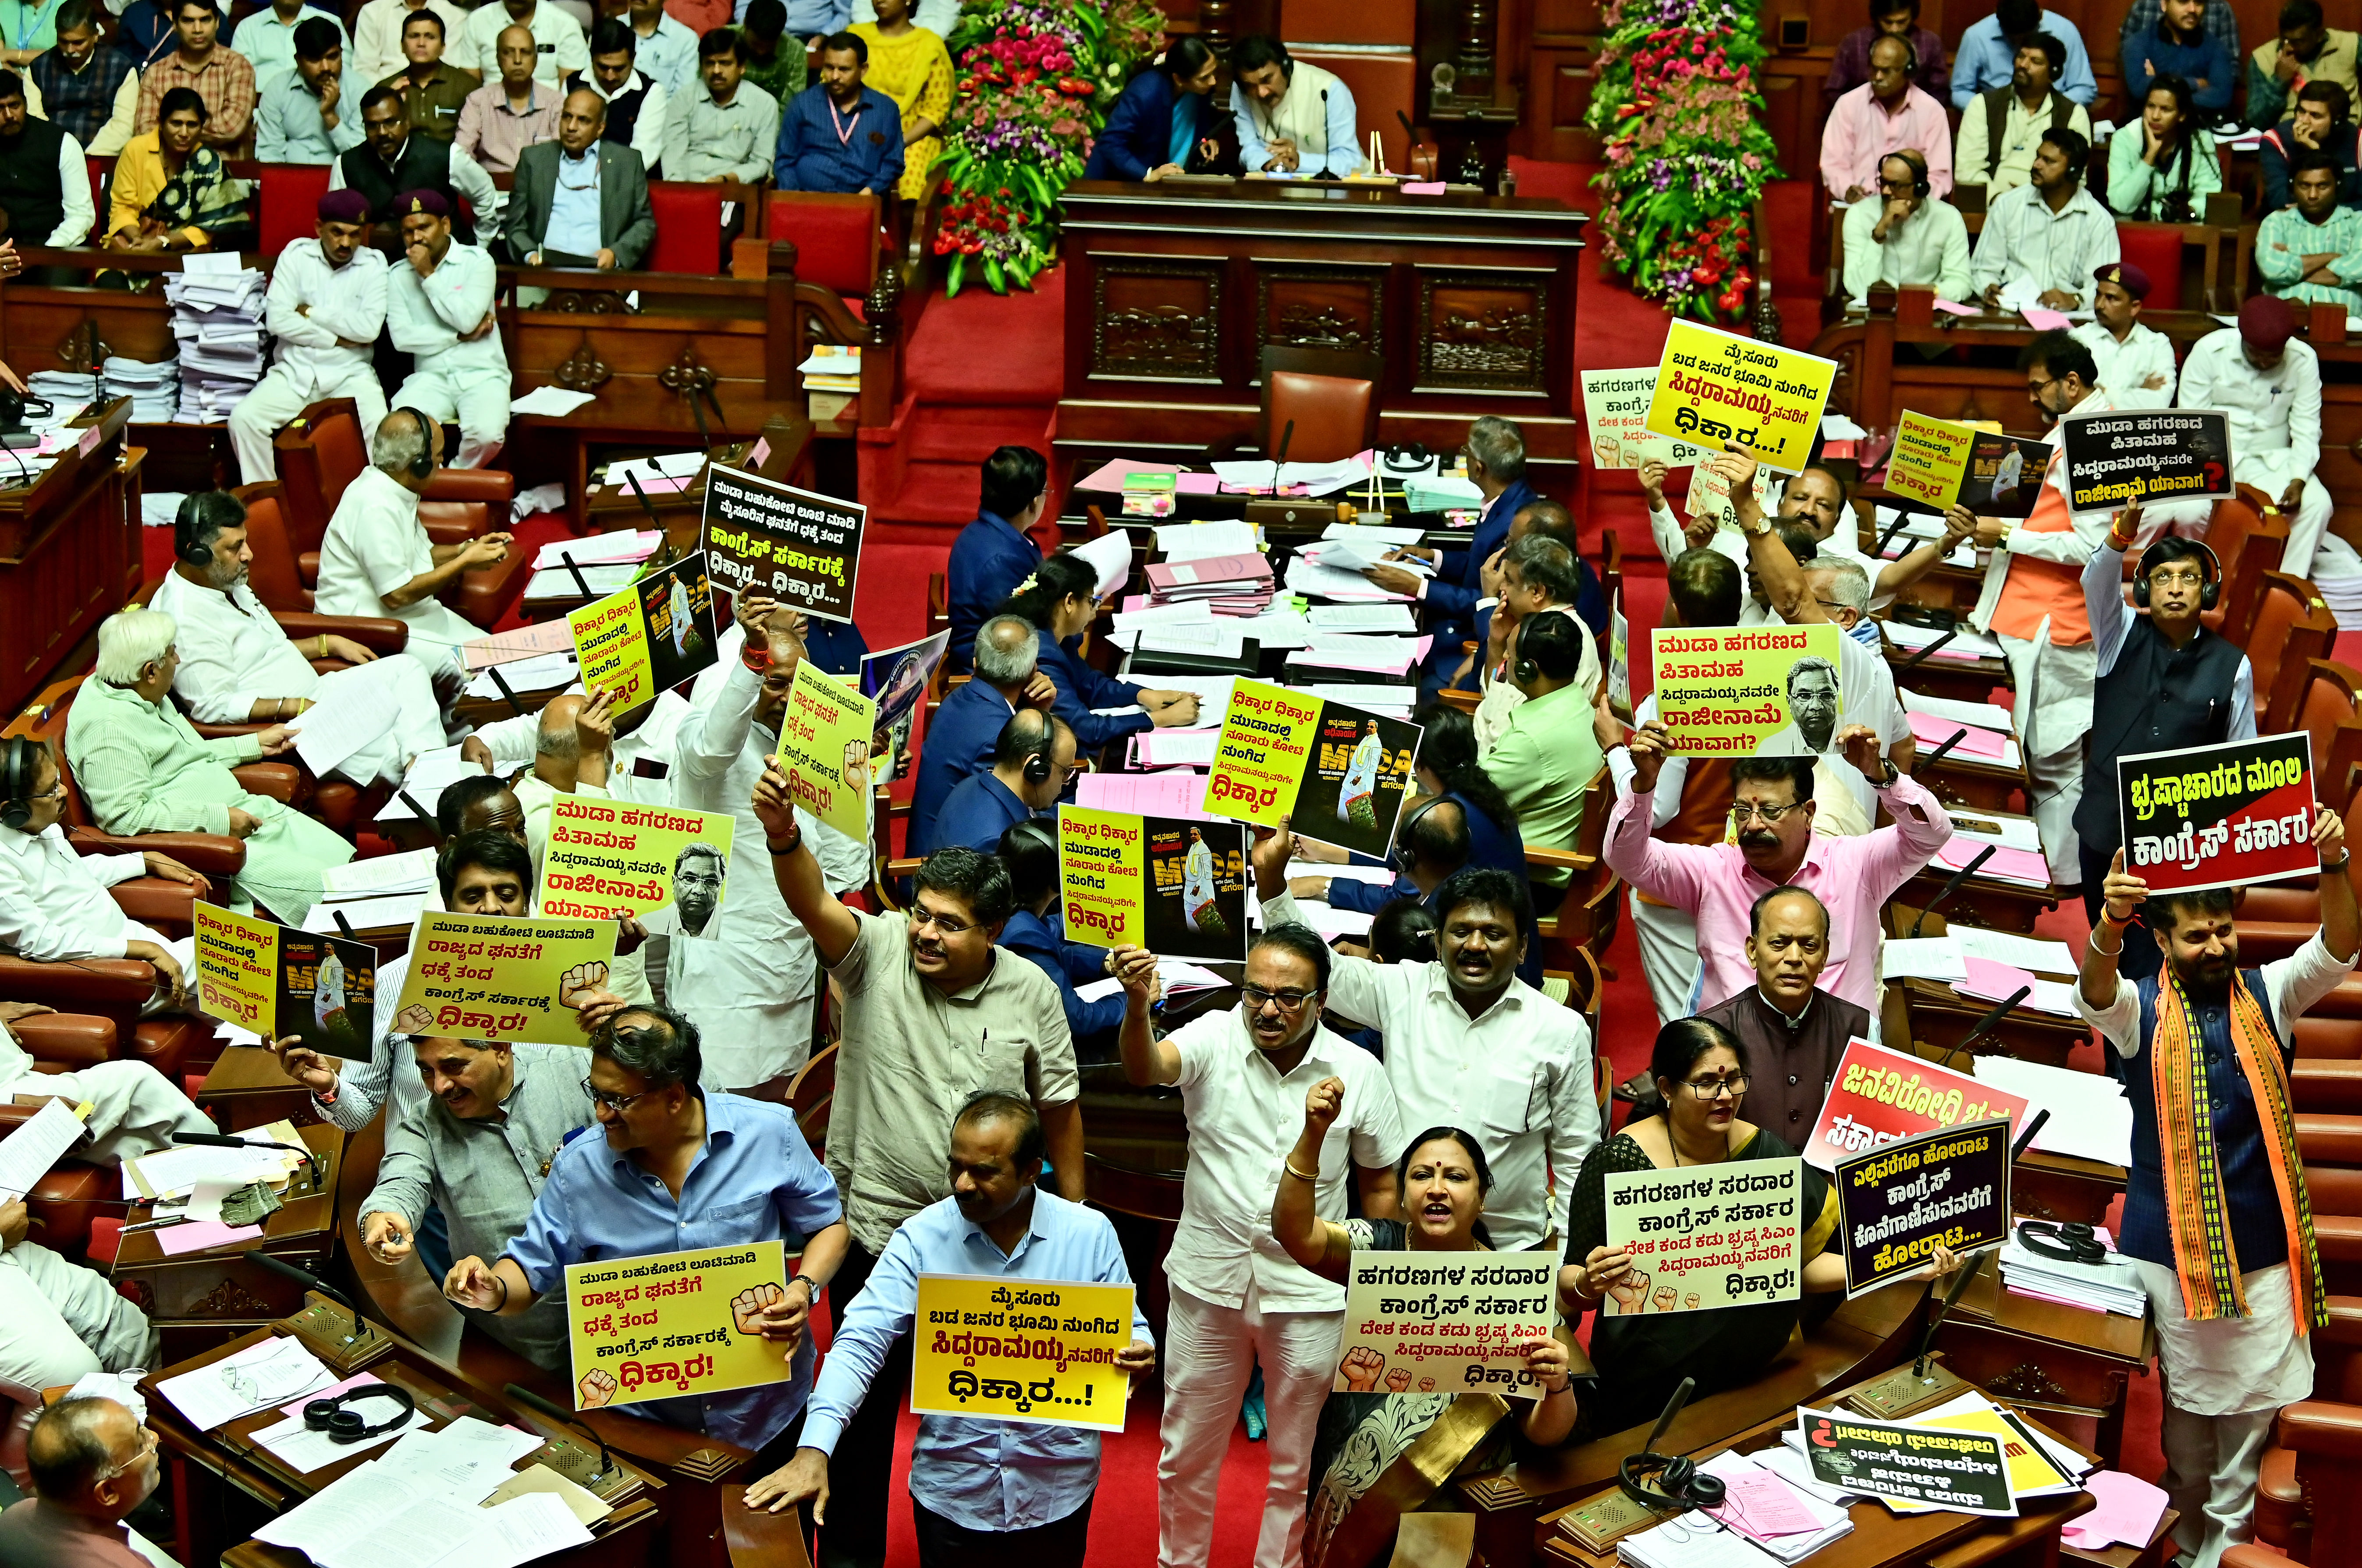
(1794,1032)
(92,1463)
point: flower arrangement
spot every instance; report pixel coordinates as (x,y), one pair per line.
(1686,156)
(1034,84)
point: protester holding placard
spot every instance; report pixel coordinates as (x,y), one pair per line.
(639,747)
(1060,600)
(1795,1032)
(679,1167)
(981,1490)
(1032,762)
(2217,1221)
(1444,1183)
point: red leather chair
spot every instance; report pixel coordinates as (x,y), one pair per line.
(102,172)
(1786,279)
(1329,396)
(2155,249)
(837,240)
(2292,627)
(291,203)
(2247,539)
(689,229)
(324,449)
(64,1201)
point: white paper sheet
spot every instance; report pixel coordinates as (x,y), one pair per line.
(411,872)
(180,1168)
(1394,538)
(536,674)
(271,1373)
(2029,953)
(1926,958)
(348,716)
(1362,617)
(1204,541)
(305,1449)
(554,401)
(520,1530)
(2090,1118)
(26,1153)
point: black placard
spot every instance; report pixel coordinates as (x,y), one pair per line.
(2146,453)
(782,543)
(1963,1471)
(1896,1202)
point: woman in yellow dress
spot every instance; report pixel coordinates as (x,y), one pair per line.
(909,65)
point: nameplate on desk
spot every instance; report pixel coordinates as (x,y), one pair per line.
(90,438)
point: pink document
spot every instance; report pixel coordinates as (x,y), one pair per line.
(1181,793)
(196,1235)
(1992,981)
(2043,320)
(2128,1512)
(1950,307)
(1933,732)
(1761,1505)
(1112,474)
(2018,863)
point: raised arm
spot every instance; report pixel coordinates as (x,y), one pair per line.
(832,927)
(1146,1058)
(2104,590)
(1322,1247)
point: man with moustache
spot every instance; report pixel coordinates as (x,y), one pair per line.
(302,115)
(1795,1033)
(439,311)
(326,308)
(91,93)
(44,183)
(434,92)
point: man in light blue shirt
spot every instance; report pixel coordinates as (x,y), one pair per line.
(813,20)
(982,1491)
(1988,53)
(302,115)
(678,1168)
(267,38)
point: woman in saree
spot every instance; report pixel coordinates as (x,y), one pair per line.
(171,192)
(909,65)
(1383,1452)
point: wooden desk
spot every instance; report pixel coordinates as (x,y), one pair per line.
(69,554)
(248,1087)
(2000,906)
(2159,1551)
(2047,1358)
(1173,291)
(1939,1017)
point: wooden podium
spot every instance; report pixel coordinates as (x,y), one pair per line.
(69,549)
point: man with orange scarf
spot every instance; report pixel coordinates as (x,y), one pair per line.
(2218,1223)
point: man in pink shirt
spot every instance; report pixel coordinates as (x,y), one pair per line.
(1882,116)
(1717,884)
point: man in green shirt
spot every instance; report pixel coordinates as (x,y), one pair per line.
(1548,757)
(2311,249)
(775,62)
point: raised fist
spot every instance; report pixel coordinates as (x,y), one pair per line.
(1360,1369)
(597,1388)
(746,1307)
(1399,1380)
(575,985)
(415,1019)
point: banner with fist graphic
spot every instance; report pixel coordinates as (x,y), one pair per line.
(668,1325)
(513,981)
(1445,1322)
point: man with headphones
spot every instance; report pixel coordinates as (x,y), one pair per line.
(1885,115)
(1294,119)
(1544,761)
(1032,762)
(2043,240)
(1907,236)
(2001,128)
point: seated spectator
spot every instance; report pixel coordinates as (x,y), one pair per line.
(814,20)
(222,79)
(665,50)
(1989,47)
(171,192)
(144,32)
(1908,238)
(635,106)
(2312,250)
(996,553)
(580,201)
(238,668)
(1163,122)
(379,34)
(558,44)
(2220,23)
(909,65)
(144,770)
(2306,50)
(503,117)
(44,183)
(729,130)
(1059,599)
(838,135)
(2046,237)
(439,311)
(92,1463)
(1035,931)
(1849,68)
(393,163)
(962,732)
(2135,363)
(267,38)
(1033,763)
(2002,129)
(434,91)
(2323,121)
(778,65)
(1546,759)
(2181,45)
(303,115)
(91,93)
(1883,116)
(326,307)
(2161,167)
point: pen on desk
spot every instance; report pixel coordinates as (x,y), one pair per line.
(155,1224)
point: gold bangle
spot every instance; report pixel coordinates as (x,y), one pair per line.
(1312,1176)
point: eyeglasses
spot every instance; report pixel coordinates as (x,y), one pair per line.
(944,925)
(618,1103)
(147,1445)
(1711,1089)
(1289,1001)
(1773,814)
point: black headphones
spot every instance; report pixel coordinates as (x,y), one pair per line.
(16,774)
(1406,458)
(2206,594)
(1037,755)
(1918,167)
(15,405)
(1523,668)
(2065,1244)
(1398,856)
(330,1416)
(421,465)
(1680,1485)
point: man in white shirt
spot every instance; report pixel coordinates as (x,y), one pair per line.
(1538,574)
(377,35)
(1238,1298)
(2045,240)
(559,44)
(2136,362)
(377,559)
(326,307)
(439,310)
(238,668)
(1293,118)
(1906,236)
(2268,382)
(730,130)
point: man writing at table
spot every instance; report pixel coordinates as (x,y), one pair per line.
(2217,1221)
(1495,453)
(678,1168)
(1293,118)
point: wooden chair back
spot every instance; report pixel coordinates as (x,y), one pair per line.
(2292,627)
(2248,543)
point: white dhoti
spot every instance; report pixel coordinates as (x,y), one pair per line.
(59,1321)
(277,398)
(2224,1381)
(1669,957)
(2053,712)
(135,1110)
(401,689)
(478,400)
(2271,472)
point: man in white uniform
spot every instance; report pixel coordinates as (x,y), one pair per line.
(238,668)
(327,306)
(377,559)
(439,308)
(560,46)
(2136,362)
(2269,384)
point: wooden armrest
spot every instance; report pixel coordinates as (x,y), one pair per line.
(1452,697)
(908,866)
(487,485)
(276,779)
(216,855)
(118,985)
(69,1039)
(758,1538)
(1560,859)
(381,635)
(2318,1426)
(153,901)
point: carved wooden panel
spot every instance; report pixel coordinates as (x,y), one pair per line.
(1156,318)
(1320,307)
(1486,328)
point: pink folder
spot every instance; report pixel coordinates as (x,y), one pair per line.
(1959,851)
(1991,981)
(1933,732)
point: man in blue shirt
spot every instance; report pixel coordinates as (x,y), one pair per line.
(983,1492)
(2180,45)
(962,733)
(1032,759)
(837,135)
(1495,450)
(678,1168)
(1988,53)
(994,554)
(1034,931)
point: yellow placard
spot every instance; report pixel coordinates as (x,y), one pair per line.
(237,968)
(1738,692)
(1929,459)
(1101,876)
(610,642)
(2030,1469)
(670,1325)
(1040,1352)
(1263,751)
(824,739)
(1444,1322)
(1714,389)
(485,978)
(1705,1237)
(664,864)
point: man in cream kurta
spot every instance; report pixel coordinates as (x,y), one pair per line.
(439,309)
(326,307)
(1293,118)
(2269,384)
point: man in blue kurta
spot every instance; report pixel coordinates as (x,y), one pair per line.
(1032,758)
(837,135)
(1496,451)
(994,554)
(2217,1221)
(962,733)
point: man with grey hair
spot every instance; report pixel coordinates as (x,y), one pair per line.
(680,1167)
(92,1463)
(699,874)
(144,769)
(1812,708)
(1496,454)
(1842,587)
(962,732)
(377,559)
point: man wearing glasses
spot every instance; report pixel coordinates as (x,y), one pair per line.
(1238,1298)
(1032,762)
(931,1015)
(92,1462)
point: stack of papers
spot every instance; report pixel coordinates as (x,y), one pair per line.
(524,642)
(2111,1287)
(433,1487)
(1441,492)
(831,367)
(1361,618)
(557,582)
(1206,541)
(542,672)
(217,307)
(181,1167)
(383,890)
(1235,584)
(154,389)
(2089,1117)
(26,1153)
(624,545)
(1179,976)
(65,389)
(2015,842)
(271,1373)
(1256,476)
(1967,645)
(1392,657)
(1382,699)
(1337,582)
(2128,1512)
(1772,1512)
(429,776)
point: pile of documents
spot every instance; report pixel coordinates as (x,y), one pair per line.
(374,894)
(832,379)
(1393,657)
(1231,585)
(1986,732)
(217,309)
(1259,475)
(2015,842)
(1961,643)
(2089,1117)
(154,390)
(1203,541)
(2110,1287)
(63,389)
(181,1169)
(542,672)
(2039,1466)
(271,1373)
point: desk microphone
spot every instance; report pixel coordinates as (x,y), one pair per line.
(1326,173)
(1888,537)
(1992,1020)
(310,1282)
(1936,1318)
(559,1414)
(1957,877)
(1280,462)
(494,670)
(225,1140)
(2026,1137)
(1927,763)
(632,479)
(1917,657)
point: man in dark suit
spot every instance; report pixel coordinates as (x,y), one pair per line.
(580,200)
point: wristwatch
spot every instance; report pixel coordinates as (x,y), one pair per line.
(1892,774)
(811,1288)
